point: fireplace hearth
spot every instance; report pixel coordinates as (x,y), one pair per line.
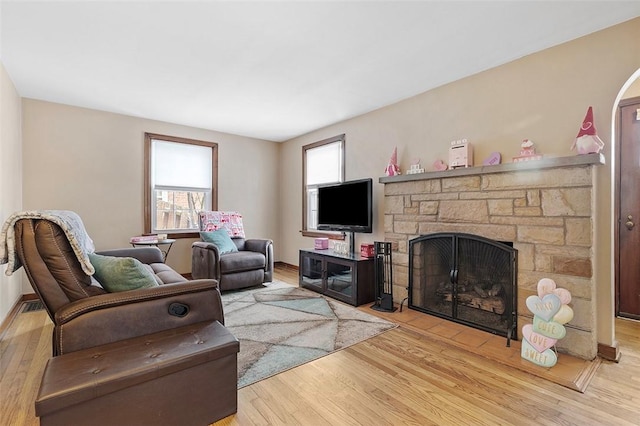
(465,278)
(545,208)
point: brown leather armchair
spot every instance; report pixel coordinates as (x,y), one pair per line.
(85,315)
(250,266)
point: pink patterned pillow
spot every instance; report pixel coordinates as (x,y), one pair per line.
(214,220)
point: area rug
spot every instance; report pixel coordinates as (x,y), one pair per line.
(280,326)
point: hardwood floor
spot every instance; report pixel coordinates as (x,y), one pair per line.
(398,377)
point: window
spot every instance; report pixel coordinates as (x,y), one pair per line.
(180,180)
(323,163)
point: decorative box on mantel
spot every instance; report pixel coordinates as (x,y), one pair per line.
(543,208)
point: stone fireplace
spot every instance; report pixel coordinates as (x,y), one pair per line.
(542,208)
(465,278)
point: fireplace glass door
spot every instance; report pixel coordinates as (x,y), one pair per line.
(465,278)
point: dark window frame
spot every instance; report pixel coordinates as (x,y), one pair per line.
(147,178)
(312,232)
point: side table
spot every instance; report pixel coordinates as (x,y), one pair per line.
(157,243)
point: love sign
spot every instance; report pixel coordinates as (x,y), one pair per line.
(539,341)
(546,358)
(551,310)
(544,308)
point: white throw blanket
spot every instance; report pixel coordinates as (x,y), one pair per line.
(68,221)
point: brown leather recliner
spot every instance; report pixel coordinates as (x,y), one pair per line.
(250,266)
(158,355)
(85,315)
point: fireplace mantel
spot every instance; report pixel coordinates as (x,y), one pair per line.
(545,208)
(545,163)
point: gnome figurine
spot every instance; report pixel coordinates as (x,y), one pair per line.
(392,168)
(587,141)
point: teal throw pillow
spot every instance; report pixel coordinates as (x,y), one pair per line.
(221,239)
(121,273)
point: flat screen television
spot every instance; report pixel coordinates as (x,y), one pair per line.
(346,206)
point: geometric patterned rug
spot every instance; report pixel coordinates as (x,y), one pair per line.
(281,326)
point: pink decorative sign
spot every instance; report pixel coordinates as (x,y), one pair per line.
(546,358)
(540,342)
(493,159)
(546,286)
(440,166)
(550,311)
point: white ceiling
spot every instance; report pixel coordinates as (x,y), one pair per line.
(272,69)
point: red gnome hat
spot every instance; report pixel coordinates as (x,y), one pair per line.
(394,156)
(392,168)
(587,141)
(587,128)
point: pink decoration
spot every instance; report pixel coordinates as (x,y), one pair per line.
(550,312)
(587,140)
(231,221)
(493,159)
(440,166)
(546,286)
(392,168)
(546,358)
(563,294)
(538,341)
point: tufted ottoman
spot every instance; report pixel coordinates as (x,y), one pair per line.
(184,376)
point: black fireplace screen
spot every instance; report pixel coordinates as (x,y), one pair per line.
(465,278)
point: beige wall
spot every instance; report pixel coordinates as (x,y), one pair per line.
(633,91)
(542,97)
(91,162)
(10,179)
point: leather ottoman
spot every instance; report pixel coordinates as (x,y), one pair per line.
(184,376)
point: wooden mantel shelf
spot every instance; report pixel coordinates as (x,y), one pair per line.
(545,163)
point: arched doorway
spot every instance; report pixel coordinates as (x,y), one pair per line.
(626,135)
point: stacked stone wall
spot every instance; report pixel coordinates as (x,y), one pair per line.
(545,213)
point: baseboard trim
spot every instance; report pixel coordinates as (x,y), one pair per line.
(611,353)
(286,266)
(15,310)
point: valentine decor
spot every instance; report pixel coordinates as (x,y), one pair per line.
(415,167)
(440,166)
(392,168)
(460,154)
(492,159)
(527,152)
(551,311)
(321,243)
(587,141)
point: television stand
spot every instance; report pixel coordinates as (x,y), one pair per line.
(348,278)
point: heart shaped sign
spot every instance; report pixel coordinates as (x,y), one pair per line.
(563,294)
(440,166)
(538,341)
(552,329)
(544,308)
(493,159)
(564,315)
(546,358)
(546,286)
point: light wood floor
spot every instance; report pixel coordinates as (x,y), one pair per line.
(398,377)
